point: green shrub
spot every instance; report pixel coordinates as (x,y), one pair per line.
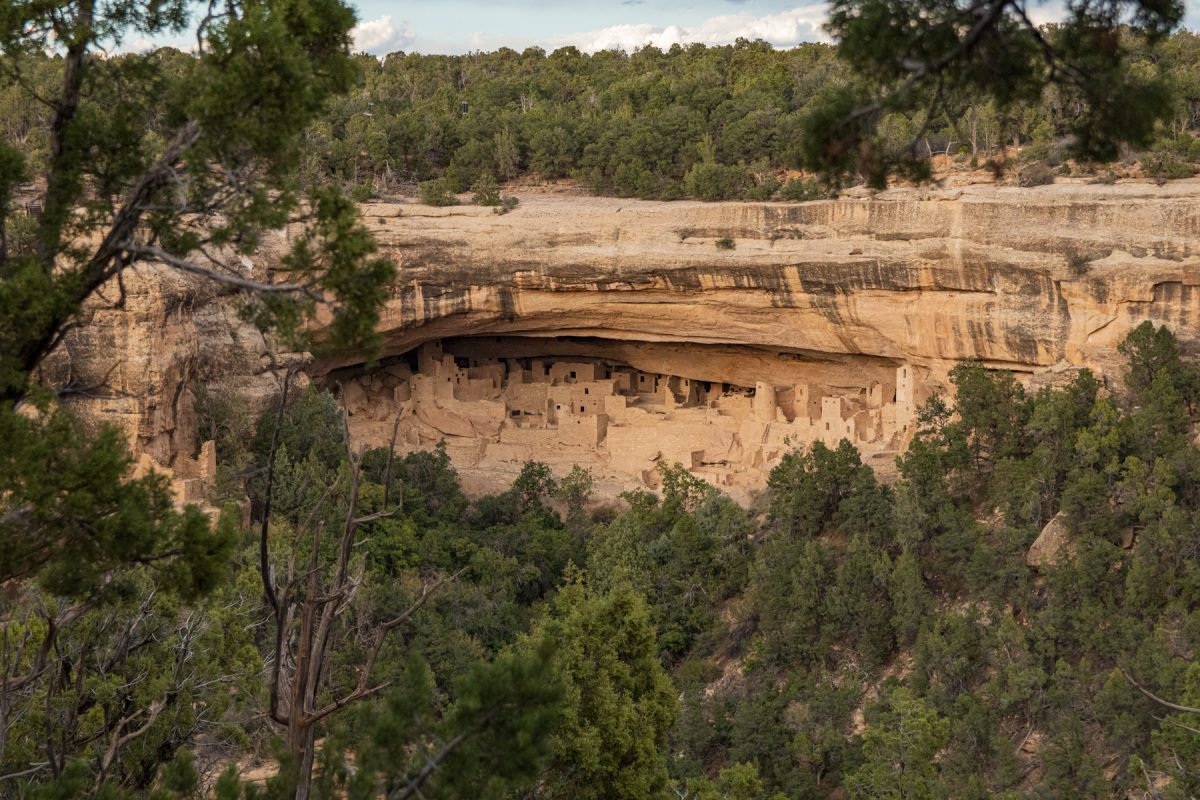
(1038,173)
(487,191)
(764,189)
(711,181)
(798,190)
(437,193)
(1193,148)
(362,192)
(507,204)
(1077,262)
(763,183)
(1163,166)
(725,243)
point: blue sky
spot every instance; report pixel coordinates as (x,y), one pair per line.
(459,26)
(456,26)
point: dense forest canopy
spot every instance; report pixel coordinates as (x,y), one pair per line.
(844,636)
(696,121)
(704,122)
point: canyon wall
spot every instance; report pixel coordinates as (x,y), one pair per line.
(1018,278)
(834,295)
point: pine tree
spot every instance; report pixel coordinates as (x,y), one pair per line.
(619,700)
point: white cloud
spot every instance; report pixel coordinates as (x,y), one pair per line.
(142,45)
(1047,14)
(382,36)
(785,29)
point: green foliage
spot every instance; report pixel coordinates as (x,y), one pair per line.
(490,742)
(74,521)
(789,588)
(1150,351)
(1094,60)
(140,660)
(993,411)
(911,601)
(737,667)
(619,700)
(1164,166)
(735,782)
(196,150)
(725,122)
(823,489)
(903,735)
(311,428)
(692,546)
(712,181)
(129,619)
(798,190)
(1036,174)
(486,191)
(437,192)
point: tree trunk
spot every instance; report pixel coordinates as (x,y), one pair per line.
(300,745)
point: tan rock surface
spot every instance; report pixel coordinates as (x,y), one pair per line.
(1019,278)
(1052,545)
(136,364)
(838,294)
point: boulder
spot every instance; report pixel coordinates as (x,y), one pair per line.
(1052,545)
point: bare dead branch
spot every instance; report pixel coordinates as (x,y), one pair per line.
(229,279)
(427,592)
(387,473)
(431,764)
(1156,698)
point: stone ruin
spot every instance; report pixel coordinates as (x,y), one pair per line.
(494,413)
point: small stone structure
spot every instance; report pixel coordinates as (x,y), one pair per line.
(495,413)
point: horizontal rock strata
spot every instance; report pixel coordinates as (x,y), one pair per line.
(833,294)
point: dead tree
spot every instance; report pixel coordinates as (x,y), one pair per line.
(46,674)
(307,606)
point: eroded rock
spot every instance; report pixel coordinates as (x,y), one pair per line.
(836,295)
(1052,545)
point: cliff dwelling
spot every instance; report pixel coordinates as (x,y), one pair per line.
(727,413)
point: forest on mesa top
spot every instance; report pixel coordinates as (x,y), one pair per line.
(710,123)
(705,122)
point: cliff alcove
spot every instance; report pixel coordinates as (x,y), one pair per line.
(833,295)
(727,413)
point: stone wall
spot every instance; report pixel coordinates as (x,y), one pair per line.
(618,421)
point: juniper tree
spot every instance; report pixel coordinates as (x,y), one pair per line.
(184,160)
(925,58)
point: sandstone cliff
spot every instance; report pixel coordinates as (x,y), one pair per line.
(1019,278)
(836,293)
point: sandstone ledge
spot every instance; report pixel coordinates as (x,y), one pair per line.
(1035,280)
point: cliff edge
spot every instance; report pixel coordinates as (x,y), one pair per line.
(826,299)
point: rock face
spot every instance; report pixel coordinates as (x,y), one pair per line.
(138,363)
(1018,278)
(835,295)
(829,300)
(1051,546)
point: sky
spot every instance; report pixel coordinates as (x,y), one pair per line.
(459,26)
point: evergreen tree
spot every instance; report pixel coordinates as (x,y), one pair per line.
(919,58)
(619,700)
(902,740)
